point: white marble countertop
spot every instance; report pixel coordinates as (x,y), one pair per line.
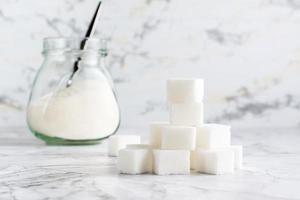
(31,170)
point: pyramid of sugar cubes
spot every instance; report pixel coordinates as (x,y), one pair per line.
(184,143)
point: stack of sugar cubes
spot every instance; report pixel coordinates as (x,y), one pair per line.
(182,144)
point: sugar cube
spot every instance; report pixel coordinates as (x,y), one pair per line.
(135,161)
(213,136)
(155,133)
(193,157)
(214,161)
(178,137)
(238,155)
(171,162)
(117,142)
(184,90)
(189,114)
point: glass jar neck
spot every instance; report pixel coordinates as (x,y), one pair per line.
(90,56)
(56,56)
(56,52)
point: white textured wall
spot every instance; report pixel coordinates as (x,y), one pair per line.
(248,51)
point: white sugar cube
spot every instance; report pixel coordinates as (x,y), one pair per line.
(238,155)
(214,161)
(193,158)
(138,146)
(178,137)
(117,142)
(189,114)
(171,162)
(213,136)
(135,161)
(183,90)
(155,133)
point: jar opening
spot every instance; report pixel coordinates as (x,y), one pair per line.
(75,45)
(56,43)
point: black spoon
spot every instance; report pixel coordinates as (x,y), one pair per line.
(90,32)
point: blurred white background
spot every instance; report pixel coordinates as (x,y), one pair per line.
(247,51)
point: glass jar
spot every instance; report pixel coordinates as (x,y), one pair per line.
(73,100)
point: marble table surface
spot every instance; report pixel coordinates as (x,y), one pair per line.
(31,170)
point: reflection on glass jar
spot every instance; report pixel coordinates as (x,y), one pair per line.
(73,108)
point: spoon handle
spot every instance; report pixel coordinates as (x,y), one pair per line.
(92,26)
(89,33)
